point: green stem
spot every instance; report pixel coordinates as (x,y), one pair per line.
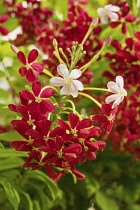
(73,106)
(92,88)
(47,72)
(91,98)
(83,68)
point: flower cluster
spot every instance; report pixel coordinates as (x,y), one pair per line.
(58,136)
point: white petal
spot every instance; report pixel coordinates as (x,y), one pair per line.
(57,81)
(104,19)
(120,82)
(113,87)
(107,7)
(117,102)
(78,84)
(111,98)
(100,11)
(74,90)
(63,70)
(75,73)
(124,92)
(115,8)
(113,16)
(65,90)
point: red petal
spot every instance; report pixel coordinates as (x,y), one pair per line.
(63,124)
(137,35)
(33,133)
(59,143)
(31,76)
(92,145)
(37,67)
(84,124)
(3,18)
(21,57)
(12,107)
(51,173)
(130,18)
(83,133)
(94,132)
(99,117)
(74,119)
(124,28)
(4,31)
(77,173)
(73,148)
(91,155)
(46,106)
(23,71)
(36,87)
(27,95)
(47,93)
(58,131)
(32,56)
(114,24)
(101,144)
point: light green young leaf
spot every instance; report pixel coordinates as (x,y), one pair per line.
(11,193)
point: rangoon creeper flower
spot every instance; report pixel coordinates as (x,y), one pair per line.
(118,90)
(69,82)
(108,13)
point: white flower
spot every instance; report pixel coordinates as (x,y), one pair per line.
(69,82)
(119,91)
(108,13)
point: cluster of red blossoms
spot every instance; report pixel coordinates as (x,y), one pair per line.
(48,145)
(63,146)
(52,142)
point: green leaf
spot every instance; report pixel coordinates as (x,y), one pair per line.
(36,205)
(10,163)
(11,193)
(10,152)
(52,188)
(28,204)
(105,202)
(11,136)
(1,145)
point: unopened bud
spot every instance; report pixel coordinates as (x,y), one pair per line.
(55,43)
(95,21)
(14,49)
(108,40)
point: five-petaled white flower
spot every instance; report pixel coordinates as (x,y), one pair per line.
(108,13)
(119,91)
(69,82)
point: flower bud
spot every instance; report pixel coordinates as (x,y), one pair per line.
(14,49)
(95,21)
(108,40)
(55,43)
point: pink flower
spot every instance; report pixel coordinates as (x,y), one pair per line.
(69,82)
(108,13)
(118,90)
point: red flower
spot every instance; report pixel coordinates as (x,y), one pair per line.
(29,67)
(108,118)
(124,18)
(37,98)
